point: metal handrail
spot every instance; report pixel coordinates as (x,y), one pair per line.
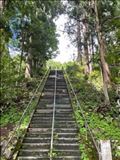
(19,122)
(53,118)
(84,117)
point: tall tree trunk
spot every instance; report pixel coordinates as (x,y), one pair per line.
(86,50)
(104,65)
(22,39)
(2,5)
(28,69)
(79,46)
(21,56)
(90,53)
(92,47)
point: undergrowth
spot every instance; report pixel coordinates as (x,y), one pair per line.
(18,103)
(12,114)
(103,120)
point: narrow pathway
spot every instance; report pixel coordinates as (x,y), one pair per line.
(52,133)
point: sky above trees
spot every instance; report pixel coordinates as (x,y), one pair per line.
(66,49)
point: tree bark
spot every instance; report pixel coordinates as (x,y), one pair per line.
(21,56)
(86,50)
(104,65)
(79,46)
(90,53)
(28,69)
(92,47)
(79,49)
(2,5)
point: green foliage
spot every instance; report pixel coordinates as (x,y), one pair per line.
(104,128)
(17,104)
(11,116)
(53,64)
(10,79)
(96,79)
(104,122)
(53,153)
(113,60)
(29,27)
(86,146)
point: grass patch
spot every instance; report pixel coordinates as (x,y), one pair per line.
(12,115)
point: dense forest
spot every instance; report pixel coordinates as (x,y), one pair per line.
(29,42)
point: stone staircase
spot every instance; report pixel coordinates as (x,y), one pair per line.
(37,141)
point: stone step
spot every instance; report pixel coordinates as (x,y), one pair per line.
(44,111)
(40,125)
(66,130)
(42,114)
(37,121)
(45,152)
(61,87)
(35,150)
(48,90)
(38,135)
(61,102)
(60,91)
(40,130)
(48,135)
(65,140)
(70,152)
(42,118)
(50,87)
(50,96)
(66,125)
(32,158)
(36,140)
(66,146)
(59,84)
(67,158)
(49,100)
(47,140)
(68,115)
(34,153)
(50,110)
(62,97)
(64,110)
(64,118)
(65,135)
(48,93)
(32,146)
(47,158)
(60,105)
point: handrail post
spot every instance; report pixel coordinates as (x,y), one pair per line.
(105,149)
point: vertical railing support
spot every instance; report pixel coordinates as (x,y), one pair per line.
(105,148)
